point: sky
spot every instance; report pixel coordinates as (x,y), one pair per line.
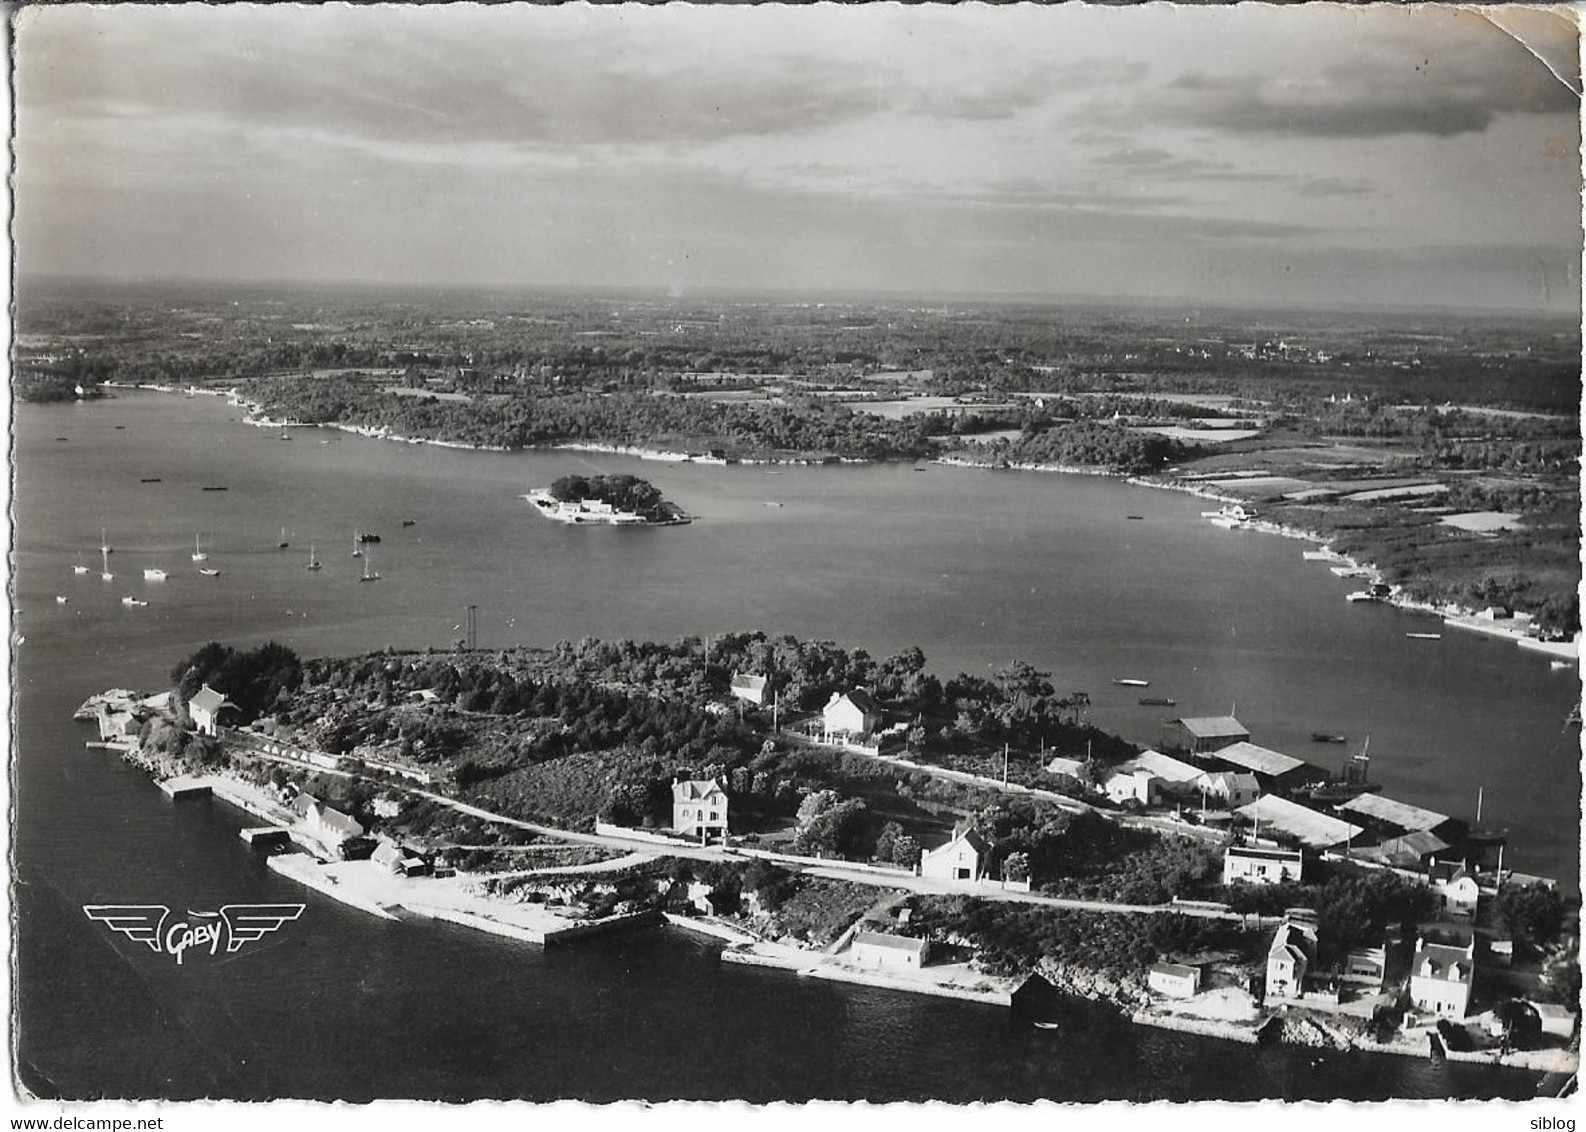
(1311,155)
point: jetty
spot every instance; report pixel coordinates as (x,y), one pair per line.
(265,836)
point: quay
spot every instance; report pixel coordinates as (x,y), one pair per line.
(262,836)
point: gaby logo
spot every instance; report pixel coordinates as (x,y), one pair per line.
(201,932)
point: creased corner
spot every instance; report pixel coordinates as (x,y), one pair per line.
(1549,35)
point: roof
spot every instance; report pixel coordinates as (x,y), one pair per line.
(1442,957)
(695,789)
(1413,845)
(1400,814)
(1212,726)
(1177,970)
(1232,779)
(1294,939)
(895,942)
(1262,853)
(1164,767)
(969,836)
(1306,826)
(1071,767)
(749,683)
(304,802)
(1260,760)
(338,821)
(207,699)
(858,697)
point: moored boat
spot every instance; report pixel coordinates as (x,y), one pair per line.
(1328,737)
(1131,682)
(208,573)
(130,600)
(1157,701)
(198,550)
(154,574)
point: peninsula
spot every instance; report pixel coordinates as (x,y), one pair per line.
(860,820)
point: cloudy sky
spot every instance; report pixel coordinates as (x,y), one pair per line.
(1306,154)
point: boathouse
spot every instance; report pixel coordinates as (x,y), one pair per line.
(1273,815)
(1201,735)
(699,807)
(1399,817)
(883,949)
(205,707)
(1174,980)
(1273,769)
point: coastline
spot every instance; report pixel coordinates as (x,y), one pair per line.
(1455,615)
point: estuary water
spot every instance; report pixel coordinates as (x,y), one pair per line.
(975,567)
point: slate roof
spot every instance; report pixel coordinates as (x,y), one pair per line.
(895,942)
(1212,726)
(1306,826)
(1402,815)
(1164,766)
(1260,760)
(695,789)
(754,684)
(207,699)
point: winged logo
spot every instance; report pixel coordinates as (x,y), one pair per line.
(248,922)
(140,923)
(202,932)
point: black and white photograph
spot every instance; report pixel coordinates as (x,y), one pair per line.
(749,553)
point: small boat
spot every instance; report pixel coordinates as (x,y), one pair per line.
(79,568)
(1556,665)
(104,543)
(130,600)
(61,599)
(198,551)
(1424,636)
(283,544)
(150,479)
(1045,1025)
(1363,595)
(1134,516)
(1328,737)
(1128,682)
(313,560)
(63,438)
(409,522)
(154,574)
(208,573)
(213,487)
(368,538)
(771,504)
(368,575)
(119,427)
(1157,701)
(357,544)
(104,558)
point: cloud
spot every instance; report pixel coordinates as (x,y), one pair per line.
(1334,187)
(1151,162)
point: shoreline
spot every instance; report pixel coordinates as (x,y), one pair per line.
(1564,650)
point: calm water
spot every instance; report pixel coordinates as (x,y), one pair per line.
(977,568)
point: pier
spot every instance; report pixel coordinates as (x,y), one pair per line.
(185,786)
(266,836)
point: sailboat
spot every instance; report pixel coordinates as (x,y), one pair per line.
(368,575)
(357,544)
(104,543)
(198,551)
(79,568)
(104,558)
(283,544)
(313,561)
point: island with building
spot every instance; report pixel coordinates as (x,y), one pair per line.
(620,500)
(817,810)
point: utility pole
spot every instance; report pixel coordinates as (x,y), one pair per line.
(776,703)
(473,628)
(1005,764)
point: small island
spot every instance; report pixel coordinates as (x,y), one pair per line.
(621,500)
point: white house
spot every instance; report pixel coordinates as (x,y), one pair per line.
(1130,783)
(962,858)
(882,949)
(1289,959)
(205,707)
(699,807)
(1256,865)
(329,826)
(1459,894)
(1366,965)
(1174,980)
(1441,978)
(1229,789)
(854,713)
(750,689)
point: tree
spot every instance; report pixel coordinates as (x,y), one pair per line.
(1016,867)
(830,827)
(887,841)
(1521,1024)
(1534,913)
